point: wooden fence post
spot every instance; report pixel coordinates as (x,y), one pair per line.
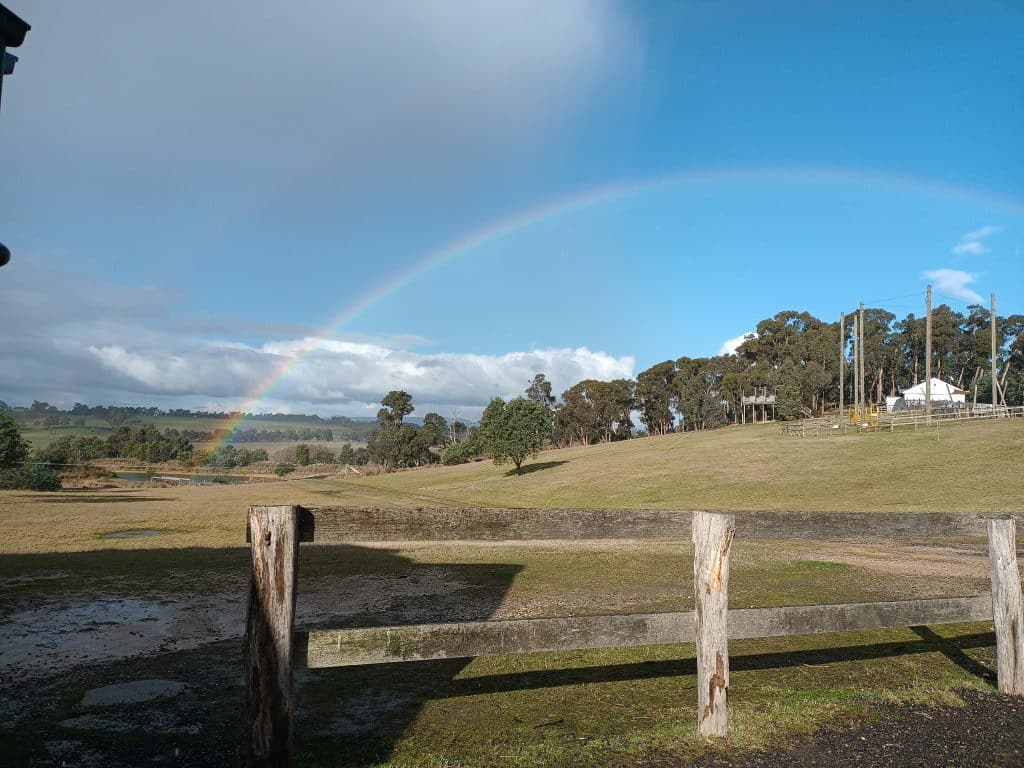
(268,635)
(712,539)
(1007,610)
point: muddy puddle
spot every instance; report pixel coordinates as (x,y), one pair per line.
(43,639)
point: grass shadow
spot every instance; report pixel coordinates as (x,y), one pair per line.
(92,499)
(537,466)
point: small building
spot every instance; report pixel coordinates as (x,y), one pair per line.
(943,393)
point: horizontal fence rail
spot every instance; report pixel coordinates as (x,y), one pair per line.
(426,642)
(275,532)
(889,421)
(332,525)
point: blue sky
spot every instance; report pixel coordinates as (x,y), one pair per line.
(199,192)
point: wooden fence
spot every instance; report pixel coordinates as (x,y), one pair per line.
(275,534)
(830,426)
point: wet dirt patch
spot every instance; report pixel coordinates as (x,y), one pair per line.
(164,722)
(54,635)
(14,581)
(365,712)
(132,693)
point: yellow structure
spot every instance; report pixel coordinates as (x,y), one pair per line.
(866,416)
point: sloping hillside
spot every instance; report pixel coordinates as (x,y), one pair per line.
(969,467)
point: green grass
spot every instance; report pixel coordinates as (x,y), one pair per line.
(964,467)
(617,706)
(587,708)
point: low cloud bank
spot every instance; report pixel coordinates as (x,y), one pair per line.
(142,354)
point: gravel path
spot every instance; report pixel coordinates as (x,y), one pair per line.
(988,731)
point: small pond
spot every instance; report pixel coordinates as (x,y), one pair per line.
(142,477)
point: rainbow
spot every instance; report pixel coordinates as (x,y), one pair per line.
(506,226)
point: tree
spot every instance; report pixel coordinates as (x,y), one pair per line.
(787,402)
(13,447)
(302,454)
(514,431)
(385,445)
(655,396)
(434,430)
(578,418)
(397,405)
(539,392)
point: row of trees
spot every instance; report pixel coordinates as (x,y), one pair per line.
(280,435)
(144,443)
(43,414)
(796,356)
(792,354)
(396,443)
(508,432)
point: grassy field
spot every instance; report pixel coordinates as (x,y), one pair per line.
(588,708)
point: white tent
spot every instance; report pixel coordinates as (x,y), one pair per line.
(942,392)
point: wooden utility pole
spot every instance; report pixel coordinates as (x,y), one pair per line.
(856,357)
(842,361)
(928,354)
(863,388)
(995,347)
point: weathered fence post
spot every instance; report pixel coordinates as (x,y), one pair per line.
(712,539)
(273,532)
(1007,609)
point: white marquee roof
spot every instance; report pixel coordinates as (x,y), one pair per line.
(940,388)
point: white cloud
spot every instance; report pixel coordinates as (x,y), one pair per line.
(970,242)
(954,283)
(336,372)
(729,346)
(64,351)
(981,234)
(971,248)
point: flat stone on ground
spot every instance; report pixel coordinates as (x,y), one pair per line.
(132,693)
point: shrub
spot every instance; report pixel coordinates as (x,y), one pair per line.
(283,469)
(321,455)
(460,453)
(30,478)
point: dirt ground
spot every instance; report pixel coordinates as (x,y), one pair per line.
(109,619)
(76,639)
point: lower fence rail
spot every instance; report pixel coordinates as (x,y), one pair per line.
(276,531)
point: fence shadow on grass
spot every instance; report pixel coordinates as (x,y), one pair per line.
(347,715)
(646,670)
(375,693)
(955,653)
